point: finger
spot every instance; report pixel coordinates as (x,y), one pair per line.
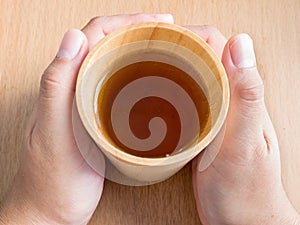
(211,151)
(212,36)
(196,182)
(98,27)
(247,111)
(88,148)
(270,135)
(59,79)
(217,41)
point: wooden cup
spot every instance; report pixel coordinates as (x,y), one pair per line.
(159,42)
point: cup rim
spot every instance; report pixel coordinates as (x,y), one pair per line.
(143,161)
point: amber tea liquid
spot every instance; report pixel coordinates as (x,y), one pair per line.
(152,109)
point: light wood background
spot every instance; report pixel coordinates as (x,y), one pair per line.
(30,33)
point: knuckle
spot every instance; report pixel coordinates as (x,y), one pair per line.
(211,29)
(96,24)
(252,93)
(141,17)
(250,85)
(47,86)
(214,33)
(34,138)
(97,19)
(50,79)
(137,15)
(261,150)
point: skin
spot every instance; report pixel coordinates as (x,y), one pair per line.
(54,184)
(243,183)
(51,184)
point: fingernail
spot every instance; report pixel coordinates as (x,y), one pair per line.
(242,52)
(168,18)
(71,44)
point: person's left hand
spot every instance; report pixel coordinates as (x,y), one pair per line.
(54,184)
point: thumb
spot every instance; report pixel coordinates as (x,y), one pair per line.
(247,112)
(59,79)
(248,127)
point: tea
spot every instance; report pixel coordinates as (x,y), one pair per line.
(152,109)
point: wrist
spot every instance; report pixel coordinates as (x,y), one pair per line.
(16,209)
(287,213)
(275,211)
(291,217)
(284,214)
(24,205)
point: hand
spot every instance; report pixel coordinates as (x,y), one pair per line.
(54,184)
(243,183)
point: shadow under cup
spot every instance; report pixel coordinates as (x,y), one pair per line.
(163,44)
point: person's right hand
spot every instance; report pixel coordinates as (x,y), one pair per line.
(243,183)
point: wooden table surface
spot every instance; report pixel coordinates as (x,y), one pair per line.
(30,33)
